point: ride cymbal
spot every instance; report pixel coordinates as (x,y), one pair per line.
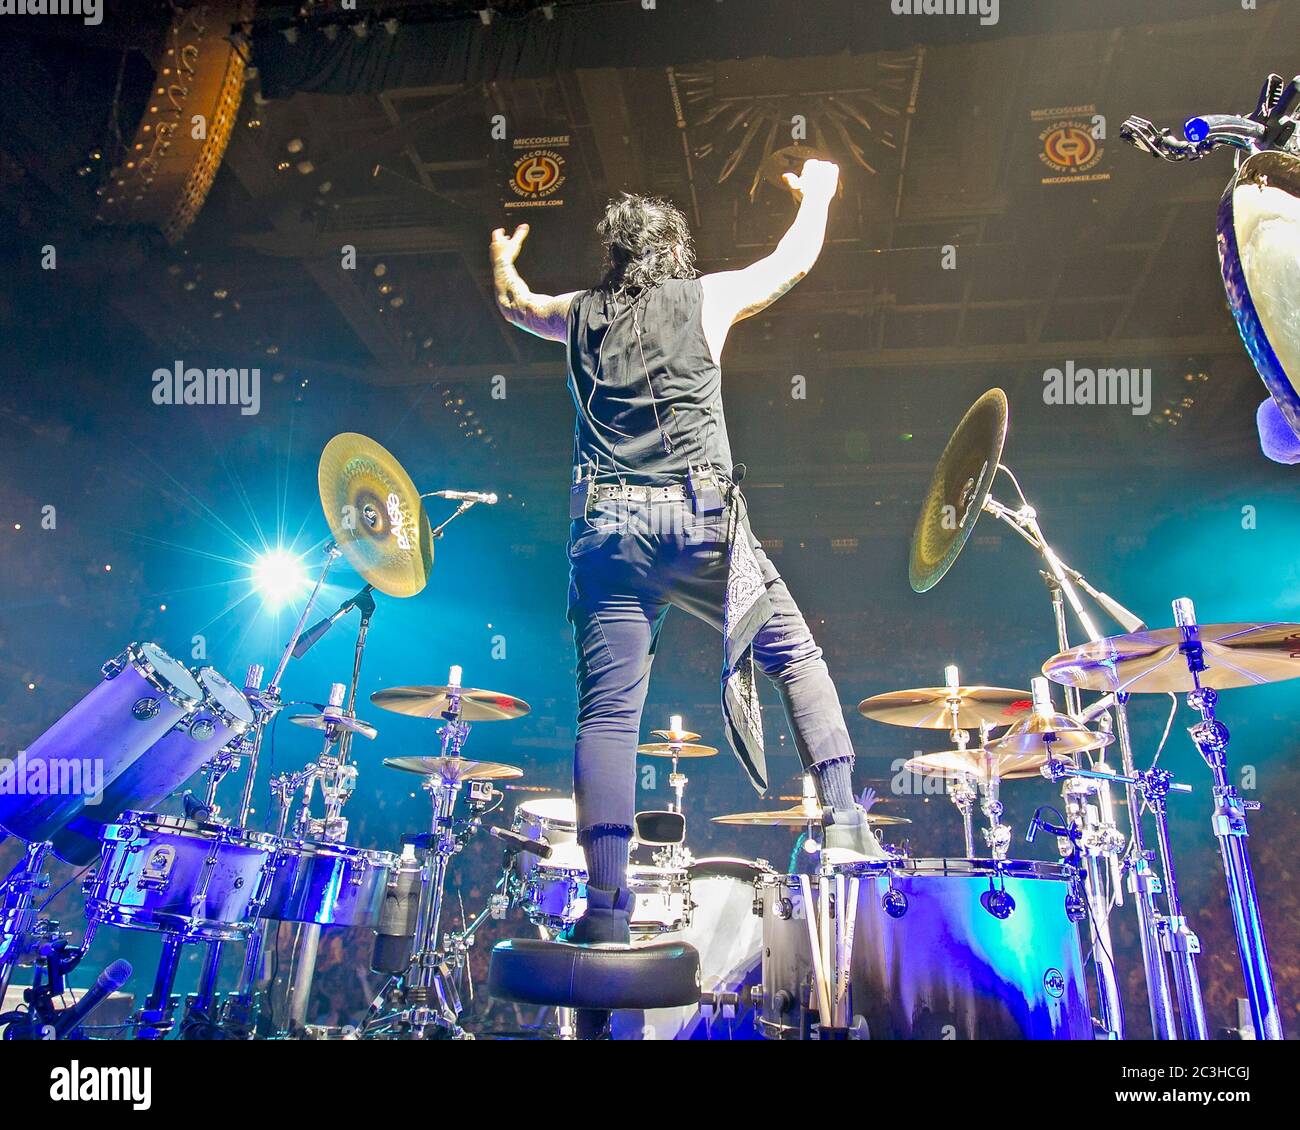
(929,707)
(1150,662)
(432,702)
(793,818)
(958,489)
(454,768)
(375,514)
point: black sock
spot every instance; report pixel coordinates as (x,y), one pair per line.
(833,780)
(606,847)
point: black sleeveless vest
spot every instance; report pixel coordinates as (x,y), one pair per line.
(649,402)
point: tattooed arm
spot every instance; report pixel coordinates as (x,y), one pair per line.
(731,296)
(545,315)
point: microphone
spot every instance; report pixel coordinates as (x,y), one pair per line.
(515,843)
(109,981)
(485,497)
(312,635)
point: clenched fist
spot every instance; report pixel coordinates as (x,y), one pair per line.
(817,180)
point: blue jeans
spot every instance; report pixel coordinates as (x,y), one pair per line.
(628,563)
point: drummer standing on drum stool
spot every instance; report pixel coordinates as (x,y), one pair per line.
(658,520)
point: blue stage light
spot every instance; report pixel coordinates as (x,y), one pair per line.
(278,576)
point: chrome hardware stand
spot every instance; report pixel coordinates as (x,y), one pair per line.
(1061,581)
(1211,738)
(17,915)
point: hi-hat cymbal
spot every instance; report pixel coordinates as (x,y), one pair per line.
(375,514)
(682,750)
(958,489)
(432,702)
(454,768)
(986,766)
(793,818)
(928,707)
(1057,734)
(676,735)
(1235,655)
(338,721)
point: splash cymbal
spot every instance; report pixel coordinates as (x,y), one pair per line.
(454,768)
(958,489)
(676,735)
(432,702)
(339,722)
(1058,734)
(953,764)
(929,707)
(1235,655)
(682,749)
(375,514)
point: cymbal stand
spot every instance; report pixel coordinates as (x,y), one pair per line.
(963,791)
(1154,786)
(1211,738)
(1110,1006)
(337,779)
(997,835)
(430,997)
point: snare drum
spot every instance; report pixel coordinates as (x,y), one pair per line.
(328,884)
(166,873)
(941,949)
(555,896)
(191,743)
(144,693)
(552,820)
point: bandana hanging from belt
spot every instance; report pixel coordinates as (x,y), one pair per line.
(746,608)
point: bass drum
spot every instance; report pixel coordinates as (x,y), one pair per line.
(943,949)
(728,933)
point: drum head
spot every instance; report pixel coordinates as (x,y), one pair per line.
(558,810)
(227,697)
(169,674)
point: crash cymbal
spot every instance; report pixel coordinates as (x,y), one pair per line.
(375,514)
(676,735)
(670,749)
(1235,655)
(958,489)
(1058,734)
(454,768)
(793,818)
(928,707)
(340,722)
(956,763)
(432,702)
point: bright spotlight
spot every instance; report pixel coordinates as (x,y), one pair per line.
(278,576)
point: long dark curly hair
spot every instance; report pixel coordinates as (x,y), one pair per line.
(647,242)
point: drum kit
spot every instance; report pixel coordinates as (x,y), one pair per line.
(980,946)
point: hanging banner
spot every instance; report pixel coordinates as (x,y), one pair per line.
(1070,144)
(536,173)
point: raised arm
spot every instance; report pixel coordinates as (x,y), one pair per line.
(545,315)
(730,296)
